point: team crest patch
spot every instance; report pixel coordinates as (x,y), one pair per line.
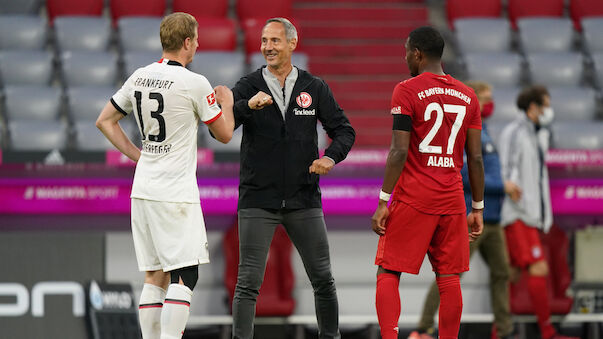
(304,100)
(211,99)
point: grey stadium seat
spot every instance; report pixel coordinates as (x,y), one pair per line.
(498,69)
(85,68)
(234,145)
(591,31)
(573,103)
(578,135)
(546,34)
(89,138)
(135,60)
(483,35)
(220,68)
(139,34)
(22,32)
(26,68)
(598,64)
(86,103)
(19,6)
(82,33)
(556,69)
(37,135)
(27,103)
(505,107)
(298,59)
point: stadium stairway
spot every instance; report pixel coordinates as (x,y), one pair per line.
(357,47)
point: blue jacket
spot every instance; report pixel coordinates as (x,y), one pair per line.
(494,188)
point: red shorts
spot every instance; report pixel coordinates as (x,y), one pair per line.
(523,244)
(410,234)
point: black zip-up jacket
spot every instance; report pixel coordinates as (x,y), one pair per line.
(275,153)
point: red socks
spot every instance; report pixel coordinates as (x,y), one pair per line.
(388,304)
(451,306)
(540,301)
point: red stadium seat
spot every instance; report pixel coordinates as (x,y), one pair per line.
(263,9)
(521,8)
(202,9)
(556,247)
(456,9)
(275,297)
(580,9)
(121,8)
(73,7)
(218,34)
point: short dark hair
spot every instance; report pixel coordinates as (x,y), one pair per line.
(427,40)
(533,94)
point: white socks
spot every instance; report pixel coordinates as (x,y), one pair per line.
(175,311)
(149,311)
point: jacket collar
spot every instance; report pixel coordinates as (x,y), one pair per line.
(256,79)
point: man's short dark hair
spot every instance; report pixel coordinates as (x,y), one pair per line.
(533,94)
(427,40)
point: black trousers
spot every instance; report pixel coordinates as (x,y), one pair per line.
(307,230)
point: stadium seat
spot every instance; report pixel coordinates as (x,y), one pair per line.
(263,9)
(234,145)
(556,69)
(483,35)
(26,67)
(498,69)
(37,135)
(135,60)
(220,68)
(298,59)
(142,8)
(89,138)
(456,9)
(534,8)
(598,65)
(581,9)
(75,33)
(27,103)
(573,103)
(20,6)
(86,103)
(546,34)
(22,32)
(84,68)
(578,135)
(218,34)
(591,31)
(202,9)
(56,8)
(505,107)
(139,34)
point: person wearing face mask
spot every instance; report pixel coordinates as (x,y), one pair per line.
(491,244)
(526,209)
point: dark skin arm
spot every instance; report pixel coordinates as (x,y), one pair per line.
(475,166)
(393,168)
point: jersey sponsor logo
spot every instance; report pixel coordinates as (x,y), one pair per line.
(298,111)
(211,99)
(397,110)
(304,100)
(436,161)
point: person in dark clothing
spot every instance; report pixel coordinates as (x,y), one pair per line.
(278,107)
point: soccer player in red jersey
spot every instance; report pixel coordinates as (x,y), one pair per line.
(435,118)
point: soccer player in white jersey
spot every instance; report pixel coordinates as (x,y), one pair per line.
(167,225)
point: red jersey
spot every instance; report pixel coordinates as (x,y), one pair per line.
(441,109)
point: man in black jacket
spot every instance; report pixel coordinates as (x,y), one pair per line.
(278,106)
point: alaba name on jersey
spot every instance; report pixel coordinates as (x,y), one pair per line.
(442,109)
(168,101)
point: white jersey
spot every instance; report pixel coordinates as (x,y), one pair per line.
(167,100)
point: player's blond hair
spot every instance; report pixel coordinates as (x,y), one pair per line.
(478,86)
(175,28)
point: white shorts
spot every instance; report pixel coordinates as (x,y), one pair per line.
(168,235)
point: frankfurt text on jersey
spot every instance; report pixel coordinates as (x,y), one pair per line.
(153,83)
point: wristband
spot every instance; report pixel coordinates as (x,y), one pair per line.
(477,205)
(384,196)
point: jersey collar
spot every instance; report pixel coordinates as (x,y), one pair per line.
(169,62)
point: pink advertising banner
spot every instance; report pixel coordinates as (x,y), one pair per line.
(342,196)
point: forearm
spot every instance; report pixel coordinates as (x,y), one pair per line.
(475,167)
(393,168)
(113,131)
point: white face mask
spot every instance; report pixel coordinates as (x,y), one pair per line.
(547,116)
